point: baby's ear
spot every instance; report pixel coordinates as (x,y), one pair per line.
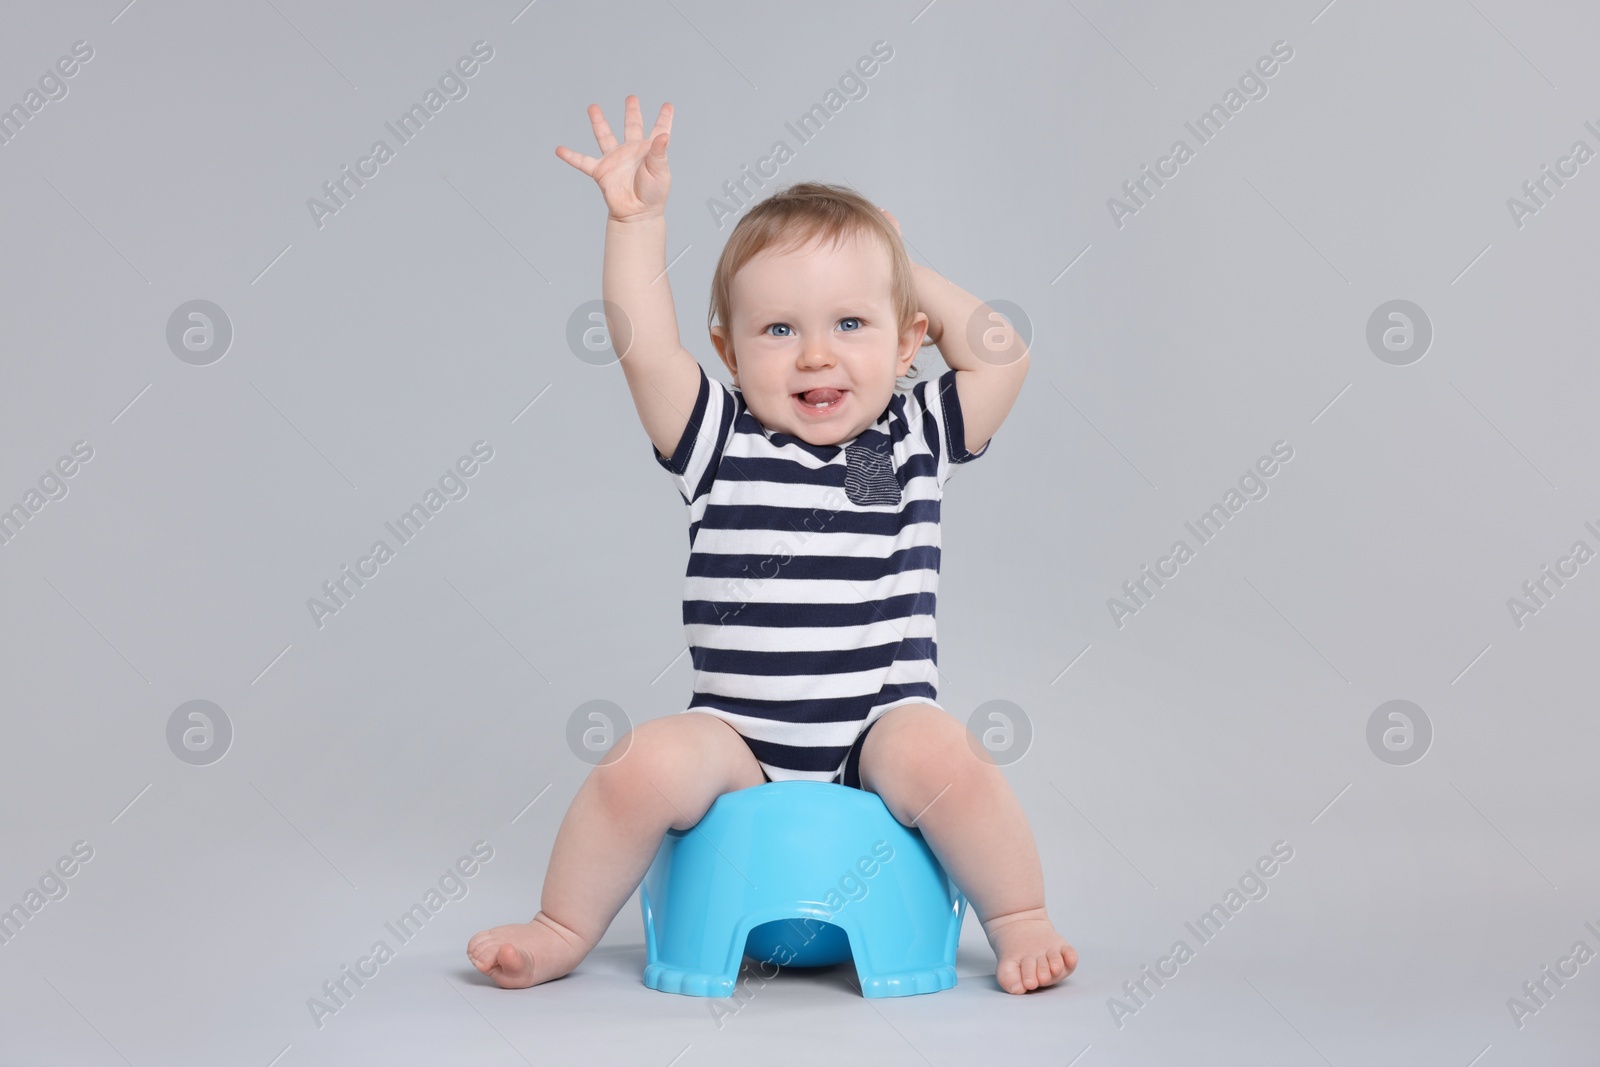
(914,337)
(724,346)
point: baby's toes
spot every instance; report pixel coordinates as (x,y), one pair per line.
(1009,975)
(490,959)
(515,965)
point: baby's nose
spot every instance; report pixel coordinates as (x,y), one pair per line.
(816,353)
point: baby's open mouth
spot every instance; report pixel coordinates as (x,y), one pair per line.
(820,399)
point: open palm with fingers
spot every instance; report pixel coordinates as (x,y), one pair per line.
(632,174)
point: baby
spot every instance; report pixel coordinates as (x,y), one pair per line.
(822,664)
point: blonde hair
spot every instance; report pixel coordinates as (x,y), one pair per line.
(799,214)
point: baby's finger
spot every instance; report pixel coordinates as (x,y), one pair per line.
(632,121)
(655,160)
(663,121)
(602,130)
(577,159)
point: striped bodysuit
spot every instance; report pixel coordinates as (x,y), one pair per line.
(814,572)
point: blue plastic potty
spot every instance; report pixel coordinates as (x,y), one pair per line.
(799,874)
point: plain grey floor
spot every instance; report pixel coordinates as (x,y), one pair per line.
(436,310)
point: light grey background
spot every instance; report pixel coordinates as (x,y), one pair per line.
(1230,713)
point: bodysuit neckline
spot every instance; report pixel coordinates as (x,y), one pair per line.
(826,453)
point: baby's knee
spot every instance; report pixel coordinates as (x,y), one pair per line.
(648,768)
(921,734)
(920,751)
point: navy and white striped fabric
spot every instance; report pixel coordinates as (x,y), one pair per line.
(813,571)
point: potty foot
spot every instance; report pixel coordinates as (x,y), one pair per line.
(908,983)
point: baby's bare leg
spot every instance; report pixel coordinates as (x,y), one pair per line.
(918,759)
(664,773)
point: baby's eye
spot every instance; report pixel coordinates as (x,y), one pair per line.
(850,318)
(778,326)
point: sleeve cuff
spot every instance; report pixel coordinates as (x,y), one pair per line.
(955,428)
(679,463)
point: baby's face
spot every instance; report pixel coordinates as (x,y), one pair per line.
(817,318)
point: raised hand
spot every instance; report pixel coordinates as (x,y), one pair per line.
(633,175)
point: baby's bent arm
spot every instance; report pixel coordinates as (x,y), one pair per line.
(662,375)
(986,385)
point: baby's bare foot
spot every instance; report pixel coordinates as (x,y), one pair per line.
(1029,954)
(526,954)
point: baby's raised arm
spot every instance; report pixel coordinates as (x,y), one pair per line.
(633,177)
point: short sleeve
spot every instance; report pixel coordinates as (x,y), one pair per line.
(933,408)
(693,464)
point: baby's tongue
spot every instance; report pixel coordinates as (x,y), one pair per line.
(821,396)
